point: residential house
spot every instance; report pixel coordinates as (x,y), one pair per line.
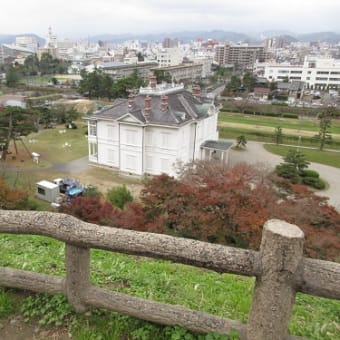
(152,131)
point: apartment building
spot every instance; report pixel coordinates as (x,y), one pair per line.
(169,57)
(239,56)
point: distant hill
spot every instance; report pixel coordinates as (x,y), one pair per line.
(184,36)
(330,37)
(10,38)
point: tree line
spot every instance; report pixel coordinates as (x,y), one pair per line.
(33,66)
(97,84)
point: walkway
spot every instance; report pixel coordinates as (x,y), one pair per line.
(255,153)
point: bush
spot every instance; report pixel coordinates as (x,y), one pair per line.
(290,115)
(287,171)
(119,196)
(314,182)
(309,173)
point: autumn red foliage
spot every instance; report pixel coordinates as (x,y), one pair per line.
(214,203)
(11,199)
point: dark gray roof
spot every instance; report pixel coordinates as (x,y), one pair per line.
(182,108)
(216,145)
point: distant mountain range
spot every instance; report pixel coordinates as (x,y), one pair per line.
(187,36)
(10,38)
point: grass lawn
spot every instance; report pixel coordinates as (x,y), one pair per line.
(54,146)
(317,156)
(288,123)
(224,295)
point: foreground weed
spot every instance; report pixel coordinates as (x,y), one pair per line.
(50,310)
(7,305)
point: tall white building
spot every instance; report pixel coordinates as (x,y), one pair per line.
(317,73)
(151,132)
(169,57)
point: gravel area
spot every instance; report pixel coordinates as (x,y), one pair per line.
(255,153)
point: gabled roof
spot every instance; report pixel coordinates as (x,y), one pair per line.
(182,108)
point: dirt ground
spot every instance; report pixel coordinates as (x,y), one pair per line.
(14,328)
(102,178)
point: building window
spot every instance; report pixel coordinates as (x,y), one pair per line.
(110,156)
(93,148)
(110,131)
(149,163)
(93,128)
(149,138)
(131,137)
(334,72)
(165,139)
(41,191)
(165,165)
(322,72)
(321,78)
(130,162)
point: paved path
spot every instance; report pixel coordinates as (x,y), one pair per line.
(255,153)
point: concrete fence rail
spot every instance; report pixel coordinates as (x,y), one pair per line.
(279,268)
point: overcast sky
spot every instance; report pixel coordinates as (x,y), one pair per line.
(80,18)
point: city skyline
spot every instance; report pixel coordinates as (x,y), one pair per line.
(79,19)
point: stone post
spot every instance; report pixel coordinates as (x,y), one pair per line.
(274,294)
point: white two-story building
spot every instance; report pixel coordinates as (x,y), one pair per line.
(151,132)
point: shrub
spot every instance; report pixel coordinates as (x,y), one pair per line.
(314,182)
(287,171)
(119,196)
(290,115)
(309,173)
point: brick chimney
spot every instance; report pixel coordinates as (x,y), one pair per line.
(147,107)
(196,91)
(131,100)
(164,103)
(153,82)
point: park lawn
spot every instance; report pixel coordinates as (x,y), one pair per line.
(288,123)
(224,295)
(55,147)
(331,158)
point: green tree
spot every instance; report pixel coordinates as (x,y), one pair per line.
(71,115)
(31,65)
(241,141)
(234,84)
(162,76)
(249,81)
(119,196)
(325,123)
(14,123)
(12,76)
(46,64)
(297,159)
(278,135)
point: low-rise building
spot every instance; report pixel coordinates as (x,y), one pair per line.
(317,73)
(119,70)
(188,72)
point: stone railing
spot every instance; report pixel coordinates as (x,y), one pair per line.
(279,268)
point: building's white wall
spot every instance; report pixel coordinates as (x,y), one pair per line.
(206,130)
